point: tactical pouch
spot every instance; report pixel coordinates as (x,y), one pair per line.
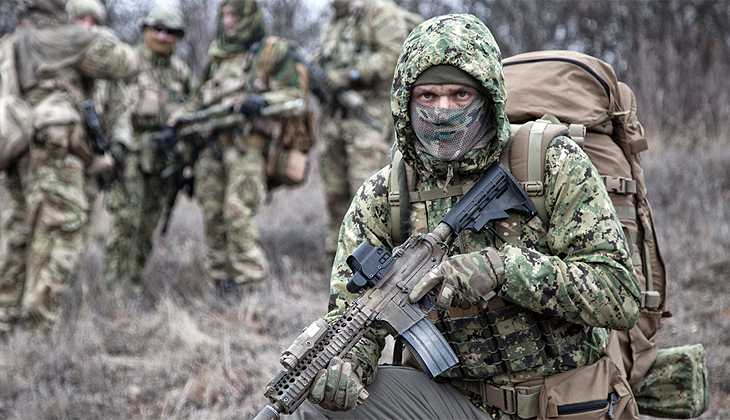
(676,385)
(481,341)
(597,391)
(518,338)
(285,168)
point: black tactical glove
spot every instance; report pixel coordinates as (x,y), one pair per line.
(162,141)
(253,104)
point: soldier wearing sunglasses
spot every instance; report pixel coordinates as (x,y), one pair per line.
(159,92)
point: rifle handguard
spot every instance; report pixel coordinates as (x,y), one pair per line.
(388,281)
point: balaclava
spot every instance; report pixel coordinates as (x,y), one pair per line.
(448,134)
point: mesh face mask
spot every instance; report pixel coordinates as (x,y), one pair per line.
(448,134)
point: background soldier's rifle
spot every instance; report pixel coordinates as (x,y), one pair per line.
(99,142)
(349,101)
(181,145)
(389,280)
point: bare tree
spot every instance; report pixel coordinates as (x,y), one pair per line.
(673,53)
(7,16)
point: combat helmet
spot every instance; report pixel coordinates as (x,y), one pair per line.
(169,16)
(95,8)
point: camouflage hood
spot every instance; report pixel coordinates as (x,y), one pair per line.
(465,42)
(251,28)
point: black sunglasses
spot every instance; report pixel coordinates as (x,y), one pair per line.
(162,28)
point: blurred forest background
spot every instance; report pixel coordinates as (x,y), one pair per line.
(173,349)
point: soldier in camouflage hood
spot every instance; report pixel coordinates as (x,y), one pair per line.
(160,91)
(560,287)
(45,211)
(248,70)
(357,50)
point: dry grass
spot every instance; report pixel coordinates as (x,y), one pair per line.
(173,349)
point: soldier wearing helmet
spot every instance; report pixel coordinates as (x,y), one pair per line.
(160,90)
(111,101)
(45,210)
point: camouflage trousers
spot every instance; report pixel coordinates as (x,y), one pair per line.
(230,191)
(44,216)
(135,207)
(402,393)
(350,152)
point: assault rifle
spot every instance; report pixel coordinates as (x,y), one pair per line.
(99,142)
(349,101)
(180,145)
(388,279)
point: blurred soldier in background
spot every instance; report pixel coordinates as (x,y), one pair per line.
(250,71)
(45,210)
(358,49)
(111,102)
(87,13)
(161,89)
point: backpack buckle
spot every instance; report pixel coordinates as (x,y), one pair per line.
(619,185)
(394,198)
(533,188)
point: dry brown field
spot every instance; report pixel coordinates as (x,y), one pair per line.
(173,349)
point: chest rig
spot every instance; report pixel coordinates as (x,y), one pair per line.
(505,338)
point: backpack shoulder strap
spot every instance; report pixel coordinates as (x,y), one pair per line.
(524,156)
(399,187)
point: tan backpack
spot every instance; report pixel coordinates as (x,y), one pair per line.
(16,115)
(583,93)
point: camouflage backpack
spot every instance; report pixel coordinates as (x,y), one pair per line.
(16,115)
(294,138)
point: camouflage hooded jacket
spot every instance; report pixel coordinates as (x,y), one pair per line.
(577,269)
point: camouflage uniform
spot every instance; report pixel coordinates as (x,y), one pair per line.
(574,274)
(111,99)
(160,90)
(46,212)
(230,186)
(93,8)
(361,39)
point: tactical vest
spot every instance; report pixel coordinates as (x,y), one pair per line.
(160,91)
(507,338)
